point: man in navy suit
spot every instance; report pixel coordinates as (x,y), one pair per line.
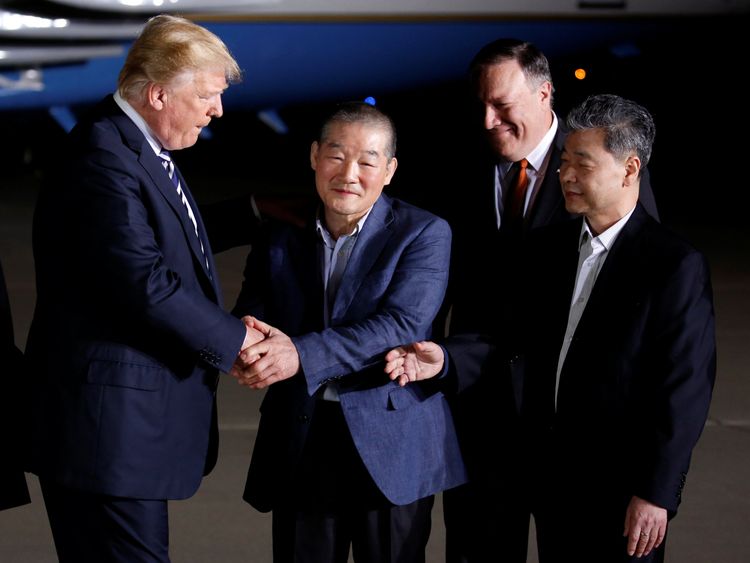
(129,334)
(13,489)
(344,457)
(617,355)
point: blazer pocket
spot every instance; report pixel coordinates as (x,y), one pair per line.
(403,398)
(125,367)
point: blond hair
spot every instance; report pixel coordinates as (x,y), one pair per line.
(169,47)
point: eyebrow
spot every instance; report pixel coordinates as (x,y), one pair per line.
(335,145)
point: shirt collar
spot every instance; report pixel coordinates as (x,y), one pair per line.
(136,118)
(606,238)
(326,235)
(539,153)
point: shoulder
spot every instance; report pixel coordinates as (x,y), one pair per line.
(407,214)
(667,249)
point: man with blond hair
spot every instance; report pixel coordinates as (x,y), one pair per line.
(129,334)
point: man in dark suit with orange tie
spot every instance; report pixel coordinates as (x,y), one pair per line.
(615,342)
(129,333)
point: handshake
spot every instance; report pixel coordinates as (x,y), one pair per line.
(267,356)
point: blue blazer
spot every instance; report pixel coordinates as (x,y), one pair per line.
(392,288)
(128,333)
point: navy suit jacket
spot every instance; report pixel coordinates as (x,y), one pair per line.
(128,333)
(636,384)
(392,288)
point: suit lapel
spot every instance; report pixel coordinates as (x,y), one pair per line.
(370,243)
(548,202)
(153,166)
(615,279)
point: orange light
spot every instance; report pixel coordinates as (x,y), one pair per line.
(580,73)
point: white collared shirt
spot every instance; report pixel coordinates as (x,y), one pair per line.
(538,162)
(592,252)
(136,118)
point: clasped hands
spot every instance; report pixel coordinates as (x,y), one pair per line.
(267,356)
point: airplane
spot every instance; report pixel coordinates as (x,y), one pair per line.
(59,55)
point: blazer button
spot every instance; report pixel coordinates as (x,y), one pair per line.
(303,418)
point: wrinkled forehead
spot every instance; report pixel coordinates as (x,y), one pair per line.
(365,133)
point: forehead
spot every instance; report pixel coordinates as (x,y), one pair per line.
(585,141)
(201,80)
(502,79)
(359,135)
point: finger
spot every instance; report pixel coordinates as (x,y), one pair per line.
(263,327)
(265,381)
(248,320)
(395,354)
(660,536)
(644,538)
(633,538)
(253,353)
(392,366)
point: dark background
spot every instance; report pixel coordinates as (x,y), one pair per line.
(691,79)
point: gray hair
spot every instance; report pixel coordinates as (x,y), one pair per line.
(168,47)
(361,112)
(628,127)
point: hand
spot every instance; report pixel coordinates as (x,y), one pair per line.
(414,362)
(645,526)
(273,359)
(252,334)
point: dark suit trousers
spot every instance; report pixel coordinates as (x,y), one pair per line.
(336,506)
(90,528)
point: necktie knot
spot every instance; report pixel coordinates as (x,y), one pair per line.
(169,167)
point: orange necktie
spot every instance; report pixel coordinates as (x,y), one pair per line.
(518,191)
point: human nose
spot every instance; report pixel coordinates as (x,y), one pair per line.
(349,171)
(216,109)
(566,173)
(491,118)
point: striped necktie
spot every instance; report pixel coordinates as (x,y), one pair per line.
(169,167)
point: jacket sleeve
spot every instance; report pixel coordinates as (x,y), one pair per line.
(681,356)
(415,290)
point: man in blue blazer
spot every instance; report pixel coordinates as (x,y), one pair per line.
(129,333)
(344,457)
(615,348)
